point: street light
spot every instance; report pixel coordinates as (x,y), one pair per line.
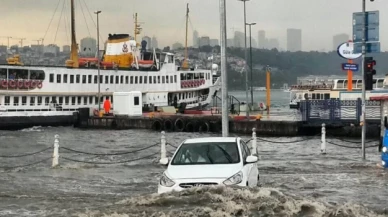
(98,61)
(250,55)
(246,59)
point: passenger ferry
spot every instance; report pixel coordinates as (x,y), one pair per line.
(56,92)
(329,90)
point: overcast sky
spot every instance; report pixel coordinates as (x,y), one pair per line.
(165,19)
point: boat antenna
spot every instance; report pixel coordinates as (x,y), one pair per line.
(74,47)
(185,64)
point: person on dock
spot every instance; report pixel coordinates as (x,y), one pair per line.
(107,105)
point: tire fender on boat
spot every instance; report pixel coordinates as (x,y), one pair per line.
(179,125)
(157,125)
(168,125)
(204,127)
(189,127)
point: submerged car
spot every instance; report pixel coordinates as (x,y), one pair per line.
(209,161)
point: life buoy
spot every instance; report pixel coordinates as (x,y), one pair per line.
(33,84)
(27,84)
(4,83)
(20,84)
(12,83)
(40,84)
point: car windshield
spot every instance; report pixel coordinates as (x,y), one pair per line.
(207,153)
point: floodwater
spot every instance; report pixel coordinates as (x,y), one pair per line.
(295,180)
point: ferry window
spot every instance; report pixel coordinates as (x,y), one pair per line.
(111,99)
(89,79)
(154,79)
(79,100)
(131,79)
(37,75)
(15,101)
(85,100)
(53,99)
(66,100)
(380,83)
(140,79)
(111,79)
(101,99)
(122,79)
(51,77)
(183,77)
(171,79)
(95,79)
(96,100)
(59,78)
(18,74)
(180,96)
(7,100)
(60,101)
(77,79)
(163,79)
(39,100)
(158,79)
(90,100)
(101,79)
(71,79)
(150,79)
(175,78)
(167,79)
(106,79)
(83,79)
(313,96)
(73,100)
(117,79)
(201,75)
(359,84)
(126,79)
(3,74)
(135,79)
(65,78)
(327,95)
(24,100)
(136,100)
(46,100)
(145,79)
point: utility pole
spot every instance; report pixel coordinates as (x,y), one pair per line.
(98,61)
(250,57)
(224,74)
(363,133)
(246,60)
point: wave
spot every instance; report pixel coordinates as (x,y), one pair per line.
(225,202)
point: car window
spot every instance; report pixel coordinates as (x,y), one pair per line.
(247,149)
(243,151)
(207,153)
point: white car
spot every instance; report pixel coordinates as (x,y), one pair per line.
(209,161)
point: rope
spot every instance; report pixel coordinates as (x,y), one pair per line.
(24,155)
(248,140)
(118,162)
(354,142)
(27,165)
(346,146)
(52,18)
(59,22)
(101,154)
(282,142)
(171,145)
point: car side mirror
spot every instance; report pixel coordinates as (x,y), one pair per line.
(251,159)
(164,161)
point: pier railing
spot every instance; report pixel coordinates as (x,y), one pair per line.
(335,110)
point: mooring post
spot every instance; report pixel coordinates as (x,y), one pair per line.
(56,151)
(323,139)
(254,142)
(163,151)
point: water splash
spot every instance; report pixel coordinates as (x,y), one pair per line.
(223,202)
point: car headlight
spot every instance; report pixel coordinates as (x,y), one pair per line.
(166,182)
(235,179)
(385,149)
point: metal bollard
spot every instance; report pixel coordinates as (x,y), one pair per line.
(56,151)
(254,142)
(323,139)
(163,151)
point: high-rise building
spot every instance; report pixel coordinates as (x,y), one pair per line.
(148,40)
(214,42)
(51,49)
(154,43)
(262,40)
(195,39)
(88,46)
(294,40)
(230,42)
(66,49)
(204,41)
(339,39)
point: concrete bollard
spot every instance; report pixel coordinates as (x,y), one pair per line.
(254,142)
(323,139)
(56,151)
(163,151)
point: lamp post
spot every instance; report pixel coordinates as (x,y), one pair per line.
(99,62)
(246,59)
(250,56)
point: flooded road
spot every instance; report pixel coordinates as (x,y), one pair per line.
(295,179)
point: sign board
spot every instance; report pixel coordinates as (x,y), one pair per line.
(371,47)
(349,66)
(372,24)
(346,50)
(372,18)
(372,34)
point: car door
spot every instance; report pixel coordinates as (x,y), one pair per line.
(245,168)
(252,170)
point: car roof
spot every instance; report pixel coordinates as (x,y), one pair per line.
(211,139)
